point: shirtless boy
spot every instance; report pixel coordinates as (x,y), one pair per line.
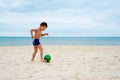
(36,35)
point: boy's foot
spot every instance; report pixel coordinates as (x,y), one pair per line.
(42,61)
(32,60)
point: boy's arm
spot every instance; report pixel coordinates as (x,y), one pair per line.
(46,34)
(31,32)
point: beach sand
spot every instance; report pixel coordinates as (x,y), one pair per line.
(68,63)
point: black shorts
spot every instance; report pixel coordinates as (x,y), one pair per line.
(36,42)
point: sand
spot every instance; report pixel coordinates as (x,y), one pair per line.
(68,63)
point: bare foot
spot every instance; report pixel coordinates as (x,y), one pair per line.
(42,61)
(32,60)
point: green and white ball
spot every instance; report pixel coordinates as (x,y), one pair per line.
(47,57)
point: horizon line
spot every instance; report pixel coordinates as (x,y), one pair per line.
(61,36)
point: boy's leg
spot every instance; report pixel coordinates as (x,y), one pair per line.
(41,52)
(34,53)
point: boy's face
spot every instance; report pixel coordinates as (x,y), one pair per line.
(42,28)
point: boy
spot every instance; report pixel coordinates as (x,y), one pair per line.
(36,43)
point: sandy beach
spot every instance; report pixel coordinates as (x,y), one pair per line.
(68,63)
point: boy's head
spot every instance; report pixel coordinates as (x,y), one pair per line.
(43,26)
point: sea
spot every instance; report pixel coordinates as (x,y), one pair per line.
(79,41)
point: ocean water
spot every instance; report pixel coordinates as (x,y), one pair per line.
(82,41)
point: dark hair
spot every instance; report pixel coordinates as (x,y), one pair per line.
(43,24)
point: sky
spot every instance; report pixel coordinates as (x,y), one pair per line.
(65,18)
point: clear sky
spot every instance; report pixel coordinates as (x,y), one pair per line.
(72,18)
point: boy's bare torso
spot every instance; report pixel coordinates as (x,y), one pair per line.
(37,34)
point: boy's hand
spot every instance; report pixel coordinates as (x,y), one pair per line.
(47,34)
